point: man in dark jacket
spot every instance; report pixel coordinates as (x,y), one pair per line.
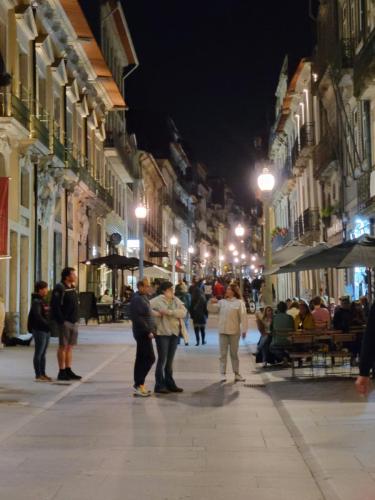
(367,357)
(143,331)
(65,317)
(37,324)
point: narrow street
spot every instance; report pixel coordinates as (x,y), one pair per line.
(94,440)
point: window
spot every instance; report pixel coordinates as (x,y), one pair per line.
(25,188)
(24,77)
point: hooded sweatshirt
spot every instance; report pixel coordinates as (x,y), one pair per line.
(169,324)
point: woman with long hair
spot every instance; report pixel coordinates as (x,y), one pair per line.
(304,319)
(231,324)
(264,324)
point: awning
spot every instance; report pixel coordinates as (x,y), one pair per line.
(358,252)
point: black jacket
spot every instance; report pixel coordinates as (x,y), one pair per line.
(367,358)
(64,304)
(141,315)
(342,319)
(38,315)
(198,309)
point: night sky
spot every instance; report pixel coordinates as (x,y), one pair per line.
(213,65)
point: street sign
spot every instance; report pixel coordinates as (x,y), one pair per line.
(158,254)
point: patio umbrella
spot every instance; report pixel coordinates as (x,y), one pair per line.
(117,262)
(357,252)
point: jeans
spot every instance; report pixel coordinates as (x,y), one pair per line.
(166,346)
(231,342)
(202,329)
(144,359)
(264,346)
(41,340)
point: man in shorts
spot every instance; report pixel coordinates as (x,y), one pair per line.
(65,315)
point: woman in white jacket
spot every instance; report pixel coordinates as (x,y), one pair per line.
(232,322)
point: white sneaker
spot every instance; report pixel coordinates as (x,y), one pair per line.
(239,378)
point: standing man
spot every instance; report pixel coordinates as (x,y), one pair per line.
(65,315)
(143,330)
(367,357)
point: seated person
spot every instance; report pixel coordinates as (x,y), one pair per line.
(304,319)
(106,298)
(342,318)
(282,324)
(320,314)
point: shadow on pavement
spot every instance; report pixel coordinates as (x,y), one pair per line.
(216,394)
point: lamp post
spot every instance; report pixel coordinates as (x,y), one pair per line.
(266,183)
(173,241)
(221,260)
(190,256)
(141,214)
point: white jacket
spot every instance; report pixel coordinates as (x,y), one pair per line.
(172,323)
(232,316)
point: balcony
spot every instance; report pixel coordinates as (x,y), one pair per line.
(84,174)
(323,155)
(347,52)
(118,143)
(307,226)
(280,241)
(153,232)
(178,208)
(364,66)
(307,136)
(14,115)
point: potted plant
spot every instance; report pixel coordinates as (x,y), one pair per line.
(326,215)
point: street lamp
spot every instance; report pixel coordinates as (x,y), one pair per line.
(173,241)
(239,231)
(266,183)
(253,258)
(243,256)
(231,247)
(141,214)
(235,253)
(191,252)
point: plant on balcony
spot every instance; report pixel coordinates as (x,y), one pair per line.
(326,215)
(279,231)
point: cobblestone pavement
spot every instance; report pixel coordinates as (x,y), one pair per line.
(94,440)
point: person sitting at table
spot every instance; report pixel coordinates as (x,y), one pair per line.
(358,316)
(281,325)
(342,318)
(106,298)
(322,318)
(304,319)
(293,310)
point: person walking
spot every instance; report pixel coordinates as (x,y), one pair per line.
(169,312)
(144,329)
(65,317)
(232,323)
(265,325)
(37,324)
(367,356)
(199,315)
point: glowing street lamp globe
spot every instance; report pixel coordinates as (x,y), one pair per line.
(191,250)
(221,258)
(239,231)
(243,256)
(253,258)
(206,255)
(141,212)
(235,253)
(266,181)
(231,247)
(173,241)
(236,260)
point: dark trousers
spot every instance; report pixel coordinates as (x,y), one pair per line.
(166,346)
(202,329)
(144,359)
(41,340)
